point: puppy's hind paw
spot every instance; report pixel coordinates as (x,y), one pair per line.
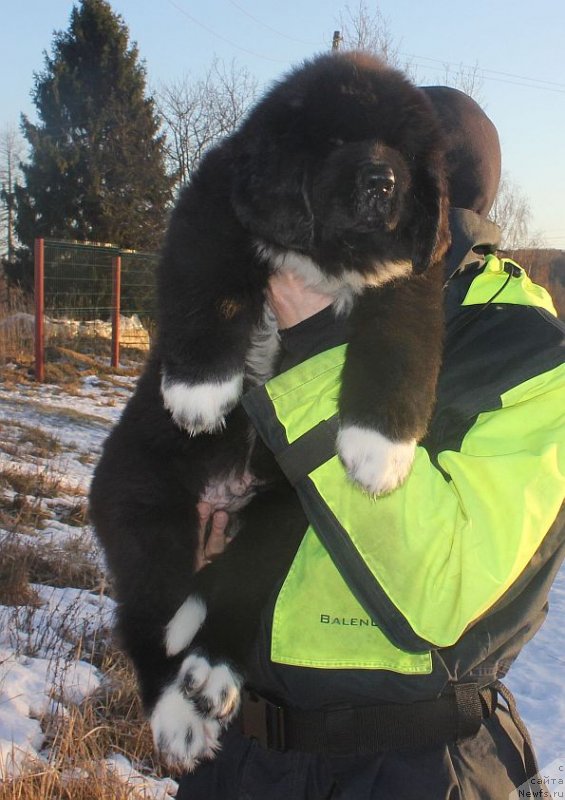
(191,713)
(201,407)
(376,463)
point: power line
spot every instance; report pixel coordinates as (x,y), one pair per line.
(274,30)
(223,38)
(547,85)
(485,69)
(490,78)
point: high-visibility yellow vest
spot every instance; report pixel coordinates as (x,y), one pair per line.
(382,584)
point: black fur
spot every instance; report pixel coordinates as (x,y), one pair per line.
(341,162)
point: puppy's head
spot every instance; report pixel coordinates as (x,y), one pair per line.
(342,161)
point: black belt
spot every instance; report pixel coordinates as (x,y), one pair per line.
(365,730)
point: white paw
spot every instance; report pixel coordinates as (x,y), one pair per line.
(373,461)
(201,407)
(193,710)
(184,625)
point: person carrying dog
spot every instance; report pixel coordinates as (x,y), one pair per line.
(377,671)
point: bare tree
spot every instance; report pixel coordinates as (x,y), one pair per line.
(466,78)
(369,30)
(511,212)
(198,113)
(363,29)
(11,154)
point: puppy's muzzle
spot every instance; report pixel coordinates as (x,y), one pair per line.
(375,186)
(378,181)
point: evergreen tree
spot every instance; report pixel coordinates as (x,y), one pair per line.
(97,168)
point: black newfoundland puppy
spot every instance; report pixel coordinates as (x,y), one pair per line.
(337,173)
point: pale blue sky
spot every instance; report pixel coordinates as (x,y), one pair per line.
(518,46)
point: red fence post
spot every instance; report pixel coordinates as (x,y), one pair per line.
(116,300)
(39,280)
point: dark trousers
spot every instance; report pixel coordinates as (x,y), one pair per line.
(488,766)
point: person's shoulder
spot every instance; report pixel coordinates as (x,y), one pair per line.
(501,333)
(499,300)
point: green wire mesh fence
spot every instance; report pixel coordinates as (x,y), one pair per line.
(92,299)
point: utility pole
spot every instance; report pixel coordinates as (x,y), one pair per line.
(337,40)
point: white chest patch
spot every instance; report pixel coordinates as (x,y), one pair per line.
(344,287)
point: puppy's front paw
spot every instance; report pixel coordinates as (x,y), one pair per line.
(192,711)
(378,464)
(201,407)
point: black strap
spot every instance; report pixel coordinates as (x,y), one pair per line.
(365,730)
(308,452)
(530,760)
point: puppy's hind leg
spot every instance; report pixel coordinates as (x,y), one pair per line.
(224,611)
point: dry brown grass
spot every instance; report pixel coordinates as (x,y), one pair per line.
(39,443)
(16,373)
(64,367)
(114,717)
(16,340)
(22,512)
(28,500)
(22,495)
(74,514)
(15,589)
(41,482)
(58,352)
(50,784)
(109,722)
(23,562)
(88,459)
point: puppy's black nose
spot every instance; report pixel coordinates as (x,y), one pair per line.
(378,179)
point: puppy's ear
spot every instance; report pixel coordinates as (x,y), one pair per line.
(431,222)
(270,195)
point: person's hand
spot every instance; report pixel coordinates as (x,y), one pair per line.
(291,301)
(213,544)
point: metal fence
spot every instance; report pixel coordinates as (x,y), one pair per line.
(92,299)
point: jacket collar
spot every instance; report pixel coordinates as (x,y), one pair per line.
(472,237)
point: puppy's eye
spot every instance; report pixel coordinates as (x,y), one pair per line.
(336,142)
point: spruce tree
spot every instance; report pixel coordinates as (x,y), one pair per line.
(97,169)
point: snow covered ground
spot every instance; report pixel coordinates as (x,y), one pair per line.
(537,679)
(39,669)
